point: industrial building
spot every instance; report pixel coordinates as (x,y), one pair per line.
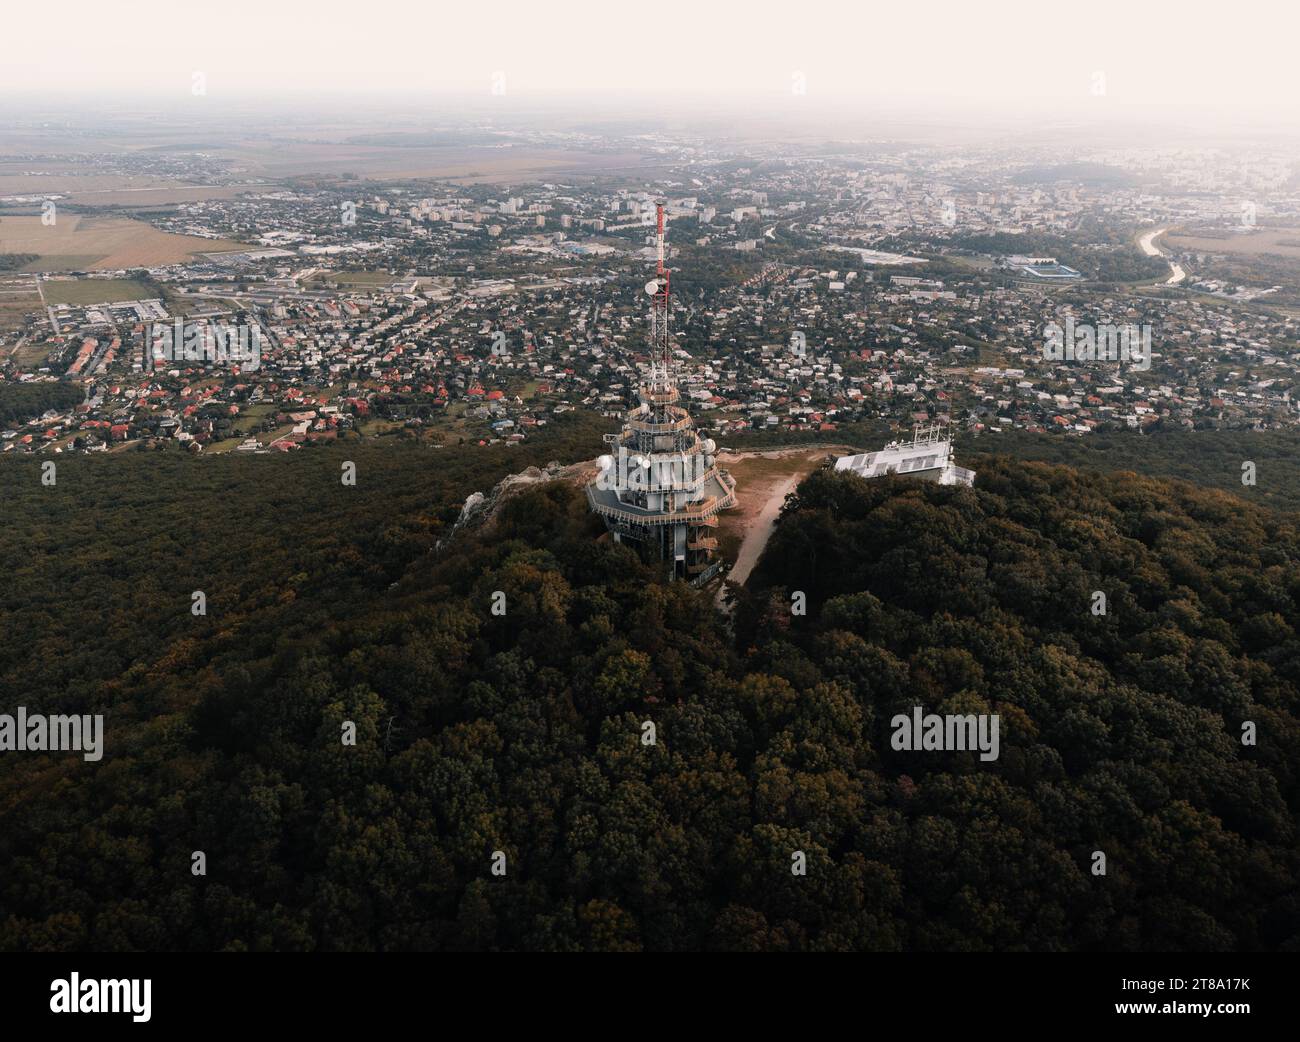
(927,456)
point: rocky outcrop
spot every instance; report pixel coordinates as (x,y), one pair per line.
(480,509)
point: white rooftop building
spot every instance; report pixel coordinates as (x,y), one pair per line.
(928,456)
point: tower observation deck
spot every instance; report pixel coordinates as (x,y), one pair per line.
(659,485)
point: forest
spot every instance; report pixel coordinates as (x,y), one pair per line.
(14,261)
(20,403)
(502,793)
(1210,459)
(1115,261)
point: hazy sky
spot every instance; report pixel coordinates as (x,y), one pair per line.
(1232,58)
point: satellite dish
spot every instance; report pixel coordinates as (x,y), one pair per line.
(652,287)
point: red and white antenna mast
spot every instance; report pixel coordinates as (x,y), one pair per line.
(661,384)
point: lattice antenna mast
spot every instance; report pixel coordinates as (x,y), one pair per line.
(661,384)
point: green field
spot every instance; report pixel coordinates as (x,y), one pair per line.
(95,291)
(367,279)
(179,305)
(29,355)
(62,262)
(18,299)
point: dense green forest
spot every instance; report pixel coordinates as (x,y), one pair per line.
(1211,459)
(523,733)
(1107,257)
(21,403)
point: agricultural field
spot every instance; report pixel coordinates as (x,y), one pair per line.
(94,291)
(18,297)
(99,243)
(455,164)
(71,178)
(1284,242)
(362,279)
(149,197)
(179,304)
(1265,259)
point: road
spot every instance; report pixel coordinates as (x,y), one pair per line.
(54,322)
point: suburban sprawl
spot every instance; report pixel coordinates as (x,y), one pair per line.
(819,288)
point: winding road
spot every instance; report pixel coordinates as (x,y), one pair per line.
(1149,247)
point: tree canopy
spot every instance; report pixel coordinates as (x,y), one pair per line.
(518,742)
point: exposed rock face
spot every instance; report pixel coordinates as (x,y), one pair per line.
(480,509)
(472,506)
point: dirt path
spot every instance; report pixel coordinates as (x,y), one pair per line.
(759,532)
(763,478)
